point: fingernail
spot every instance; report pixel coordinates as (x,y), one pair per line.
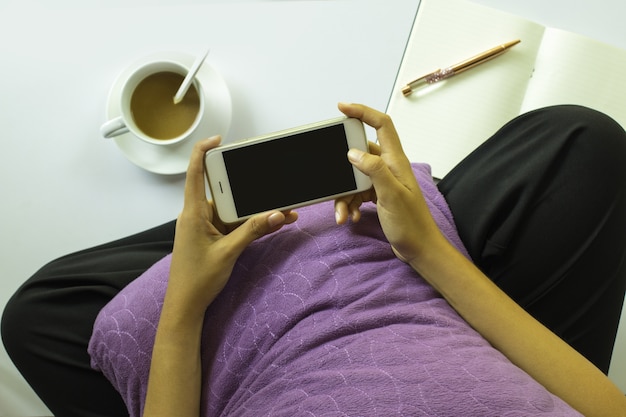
(275,219)
(212,140)
(355,155)
(337,217)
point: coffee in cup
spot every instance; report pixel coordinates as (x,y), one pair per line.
(147,105)
(153,110)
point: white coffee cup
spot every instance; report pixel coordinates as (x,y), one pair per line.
(147,108)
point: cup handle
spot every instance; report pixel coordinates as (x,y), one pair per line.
(113,127)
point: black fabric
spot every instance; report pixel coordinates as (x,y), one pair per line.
(47,323)
(540,206)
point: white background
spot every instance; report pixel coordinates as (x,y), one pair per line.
(286,63)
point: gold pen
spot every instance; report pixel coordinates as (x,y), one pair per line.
(442,74)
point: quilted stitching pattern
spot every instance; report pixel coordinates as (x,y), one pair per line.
(321,320)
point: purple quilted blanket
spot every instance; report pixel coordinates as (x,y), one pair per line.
(323,320)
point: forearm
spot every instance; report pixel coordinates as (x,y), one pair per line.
(202,261)
(515,333)
(175,372)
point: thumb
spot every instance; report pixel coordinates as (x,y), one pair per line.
(255,228)
(374,167)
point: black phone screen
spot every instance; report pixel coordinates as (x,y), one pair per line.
(290,170)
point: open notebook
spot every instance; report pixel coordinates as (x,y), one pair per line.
(443,122)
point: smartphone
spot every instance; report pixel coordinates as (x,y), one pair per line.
(286,169)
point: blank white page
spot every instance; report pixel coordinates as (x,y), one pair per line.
(573,69)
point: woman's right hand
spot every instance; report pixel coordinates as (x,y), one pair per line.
(416,239)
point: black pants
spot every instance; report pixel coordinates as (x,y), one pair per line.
(541,207)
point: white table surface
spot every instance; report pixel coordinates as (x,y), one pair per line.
(285,62)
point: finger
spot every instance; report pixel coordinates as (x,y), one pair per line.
(385,130)
(374,148)
(257,227)
(290,217)
(341,211)
(195,192)
(349,207)
(355,209)
(374,167)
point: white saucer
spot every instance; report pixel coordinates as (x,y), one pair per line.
(173,159)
